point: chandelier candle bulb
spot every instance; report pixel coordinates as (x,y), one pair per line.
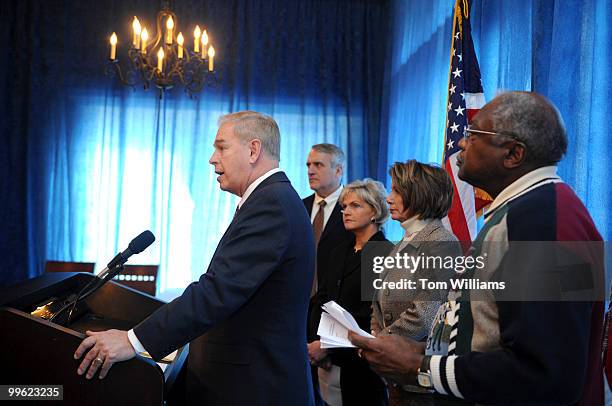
(196,39)
(169,28)
(136,26)
(204,44)
(160,59)
(211,57)
(113,42)
(144,37)
(180,40)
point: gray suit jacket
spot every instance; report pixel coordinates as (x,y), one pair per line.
(410,313)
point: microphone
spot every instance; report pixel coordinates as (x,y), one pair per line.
(136,246)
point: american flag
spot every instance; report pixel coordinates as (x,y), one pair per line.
(465,98)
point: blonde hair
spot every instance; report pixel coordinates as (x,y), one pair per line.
(373,193)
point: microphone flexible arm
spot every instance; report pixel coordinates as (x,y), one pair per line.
(136,246)
(93,285)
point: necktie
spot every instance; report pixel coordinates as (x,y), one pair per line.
(317,229)
(317,223)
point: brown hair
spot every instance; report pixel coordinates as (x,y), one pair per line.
(425,189)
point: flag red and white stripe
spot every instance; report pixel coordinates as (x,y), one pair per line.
(465,98)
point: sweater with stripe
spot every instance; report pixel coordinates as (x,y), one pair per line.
(522,352)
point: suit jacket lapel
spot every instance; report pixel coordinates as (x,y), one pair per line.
(376,238)
(276,177)
(334,220)
(349,271)
(338,269)
(308,202)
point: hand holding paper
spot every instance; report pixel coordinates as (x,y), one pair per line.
(334,327)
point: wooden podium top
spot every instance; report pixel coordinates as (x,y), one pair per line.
(37,351)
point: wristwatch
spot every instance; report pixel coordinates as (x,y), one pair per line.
(424,373)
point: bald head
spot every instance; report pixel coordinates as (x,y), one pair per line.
(533,120)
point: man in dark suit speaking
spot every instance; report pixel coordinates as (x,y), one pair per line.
(246,316)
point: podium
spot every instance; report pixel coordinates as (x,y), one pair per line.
(35,351)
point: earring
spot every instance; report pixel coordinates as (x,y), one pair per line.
(373,220)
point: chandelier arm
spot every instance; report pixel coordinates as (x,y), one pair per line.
(149,74)
(178,67)
(113,68)
(198,79)
(158,32)
(141,65)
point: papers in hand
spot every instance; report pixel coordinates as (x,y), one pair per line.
(334,327)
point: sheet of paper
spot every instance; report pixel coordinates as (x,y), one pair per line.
(334,327)
(332,333)
(345,318)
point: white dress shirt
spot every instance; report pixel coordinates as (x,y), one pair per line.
(330,203)
(256,183)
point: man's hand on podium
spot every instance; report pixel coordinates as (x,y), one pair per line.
(107,347)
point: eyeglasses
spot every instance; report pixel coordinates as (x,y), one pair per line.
(467,133)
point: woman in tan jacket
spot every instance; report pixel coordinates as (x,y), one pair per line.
(420,198)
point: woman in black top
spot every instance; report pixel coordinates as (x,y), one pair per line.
(364,212)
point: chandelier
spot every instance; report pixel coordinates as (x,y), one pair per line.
(164,59)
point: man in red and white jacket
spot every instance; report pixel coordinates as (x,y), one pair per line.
(507,350)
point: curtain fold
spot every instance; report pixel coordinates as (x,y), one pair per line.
(86,164)
(102,162)
(574,72)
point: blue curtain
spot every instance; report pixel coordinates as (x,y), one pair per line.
(416,84)
(558,48)
(98,163)
(86,164)
(572,66)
